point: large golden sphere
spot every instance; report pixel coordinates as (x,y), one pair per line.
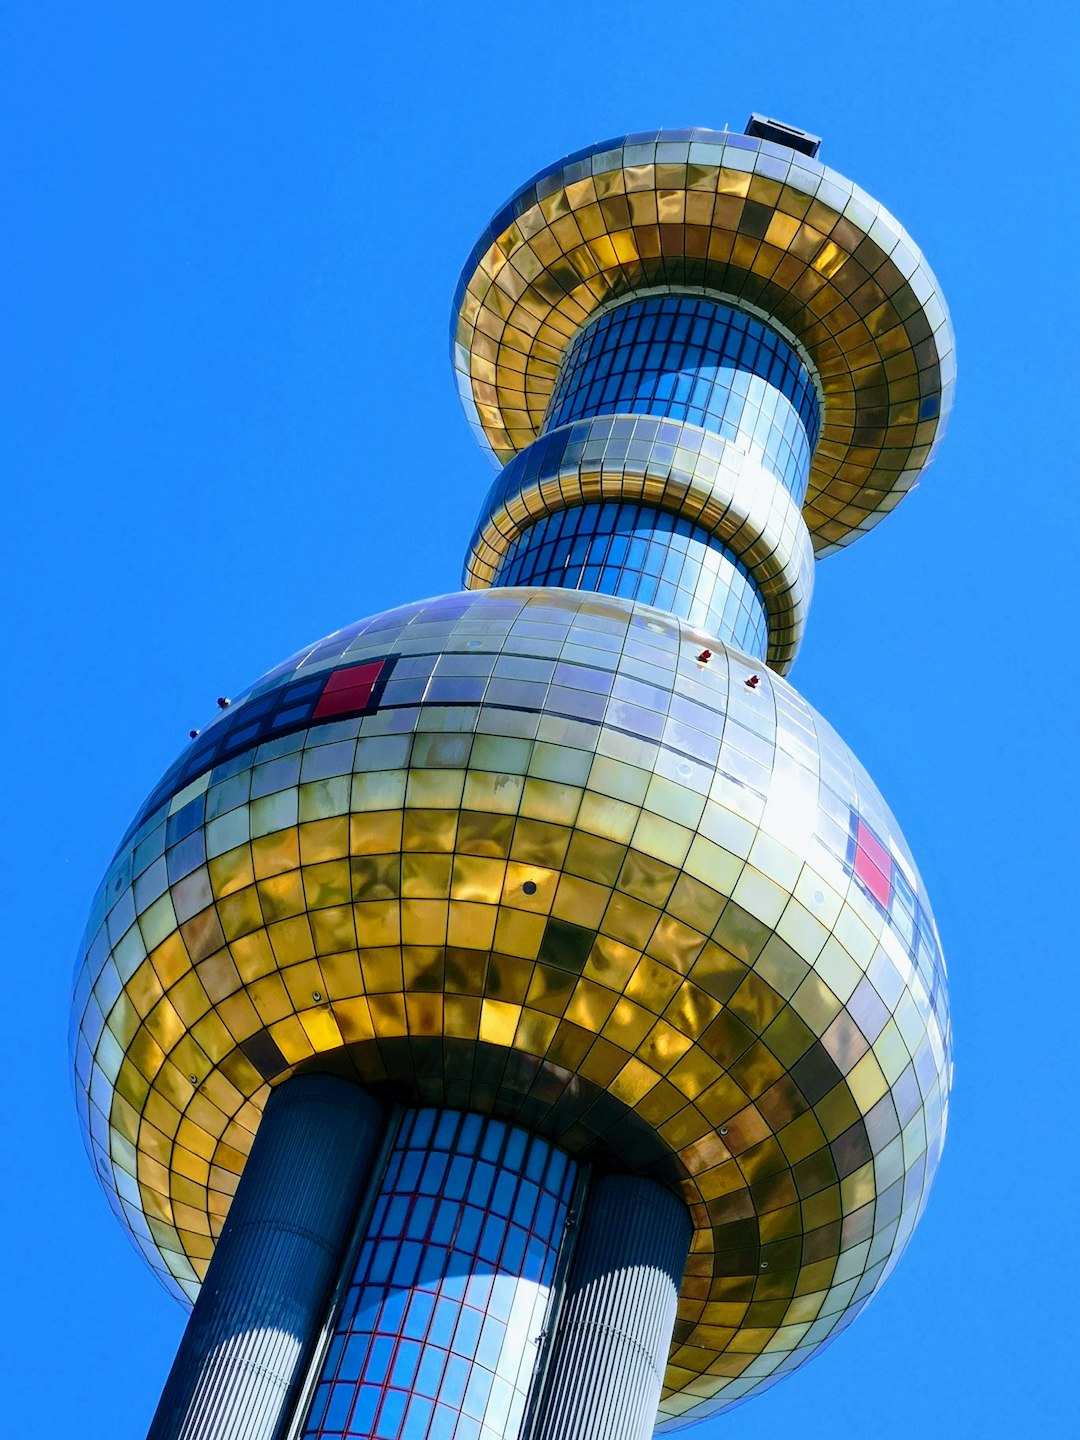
(557,857)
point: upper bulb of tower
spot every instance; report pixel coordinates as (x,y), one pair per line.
(565,852)
(779,339)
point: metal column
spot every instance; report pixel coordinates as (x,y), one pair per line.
(278,1254)
(606,1363)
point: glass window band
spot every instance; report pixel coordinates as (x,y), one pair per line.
(647,555)
(451,1287)
(696,360)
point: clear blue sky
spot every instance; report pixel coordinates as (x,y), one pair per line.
(230,238)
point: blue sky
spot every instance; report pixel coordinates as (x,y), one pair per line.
(228,426)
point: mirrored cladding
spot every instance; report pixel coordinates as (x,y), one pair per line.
(689,358)
(745,221)
(439,1332)
(561,860)
(648,555)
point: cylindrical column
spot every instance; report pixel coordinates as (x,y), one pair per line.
(701,362)
(438,1334)
(276,1259)
(608,1353)
(733,395)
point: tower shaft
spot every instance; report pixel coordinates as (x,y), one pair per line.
(669,469)
(438,1332)
(475,1306)
(560,867)
(244,1349)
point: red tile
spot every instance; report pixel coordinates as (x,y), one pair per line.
(351,677)
(348,690)
(873,864)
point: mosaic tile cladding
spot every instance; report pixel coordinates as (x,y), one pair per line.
(556,869)
(756,223)
(576,879)
(696,361)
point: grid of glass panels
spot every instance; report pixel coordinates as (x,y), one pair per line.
(802,229)
(546,775)
(437,1336)
(647,555)
(701,362)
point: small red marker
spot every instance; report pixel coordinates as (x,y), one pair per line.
(704,657)
(753,682)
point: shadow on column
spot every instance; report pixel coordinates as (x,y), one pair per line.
(245,1346)
(609,1350)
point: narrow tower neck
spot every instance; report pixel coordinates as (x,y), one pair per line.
(701,362)
(670,469)
(648,555)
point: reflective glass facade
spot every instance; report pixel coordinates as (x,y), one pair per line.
(647,555)
(695,360)
(537,852)
(738,216)
(437,1335)
(703,367)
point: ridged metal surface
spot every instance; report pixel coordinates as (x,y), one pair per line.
(270,1278)
(610,1345)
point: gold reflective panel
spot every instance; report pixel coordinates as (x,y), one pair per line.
(761,1008)
(746,221)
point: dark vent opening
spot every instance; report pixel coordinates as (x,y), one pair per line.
(760,127)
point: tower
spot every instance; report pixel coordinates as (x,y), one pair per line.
(518,1014)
